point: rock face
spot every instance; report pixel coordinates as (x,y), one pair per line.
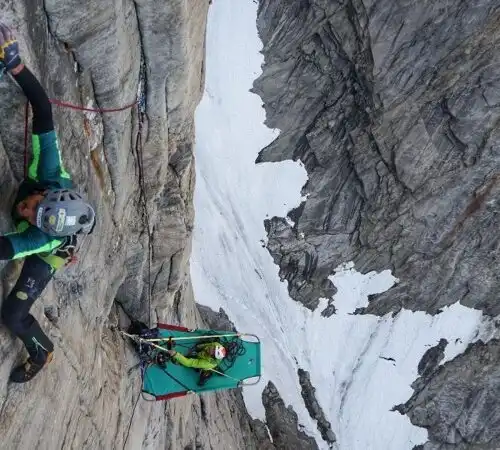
(431,358)
(314,408)
(393,110)
(283,422)
(137,168)
(458,401)
(216,320)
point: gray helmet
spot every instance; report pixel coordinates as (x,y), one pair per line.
(64,212)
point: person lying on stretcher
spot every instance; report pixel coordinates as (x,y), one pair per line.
(207,356)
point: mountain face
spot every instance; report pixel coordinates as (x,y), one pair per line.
(458,401)
(136,166)
(394,109)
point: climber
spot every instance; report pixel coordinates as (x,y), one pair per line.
(207,356)
(204,356)
(205,360)
(47,213)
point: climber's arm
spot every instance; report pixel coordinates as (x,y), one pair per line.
(10,60)
(28,240)
(46,164)
(42,109)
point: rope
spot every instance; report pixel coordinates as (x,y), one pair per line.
(138,339)
(96,110)
(234,349)
(224,374)
(143,200)
(183,338)
(175,379)
(131,419)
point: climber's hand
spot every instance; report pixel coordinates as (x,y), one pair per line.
(9,48)
(171,352)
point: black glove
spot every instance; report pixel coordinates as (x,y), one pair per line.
(9,48)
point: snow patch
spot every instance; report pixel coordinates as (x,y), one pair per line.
(361,366)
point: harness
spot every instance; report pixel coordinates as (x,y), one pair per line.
(68,249)
(64,255)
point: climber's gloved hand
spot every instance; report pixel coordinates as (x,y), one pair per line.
(9,49)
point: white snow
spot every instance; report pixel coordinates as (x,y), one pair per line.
(356,387)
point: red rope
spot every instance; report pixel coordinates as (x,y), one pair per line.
(54,101)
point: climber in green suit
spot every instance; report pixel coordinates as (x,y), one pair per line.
(208,356)
(48,215)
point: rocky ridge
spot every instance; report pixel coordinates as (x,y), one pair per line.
(393,110)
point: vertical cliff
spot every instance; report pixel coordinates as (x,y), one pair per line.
(137,167)
(393,109)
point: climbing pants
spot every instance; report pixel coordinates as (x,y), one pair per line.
(33,279)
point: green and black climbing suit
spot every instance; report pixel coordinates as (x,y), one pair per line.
(38,248)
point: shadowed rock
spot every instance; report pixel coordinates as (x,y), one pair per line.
(283,423)
(458,402)
(314,408)
(393,111)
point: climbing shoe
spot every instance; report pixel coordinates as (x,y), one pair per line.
(27,371)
